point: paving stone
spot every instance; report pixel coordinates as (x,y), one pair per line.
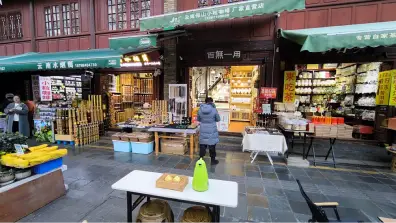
(255,174)
(278,203)
(274,191)
(258,214)
(257,189)
(269,176)
(257,200)
(282,216)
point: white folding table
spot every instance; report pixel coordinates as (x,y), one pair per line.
(142,184)
(266,143)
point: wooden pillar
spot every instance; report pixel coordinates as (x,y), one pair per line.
(32,26)
(92,27)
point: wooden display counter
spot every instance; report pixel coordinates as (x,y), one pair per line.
(23,197)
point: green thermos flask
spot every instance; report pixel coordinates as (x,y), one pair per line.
(200,180)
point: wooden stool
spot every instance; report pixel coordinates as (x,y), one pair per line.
(197,214)
(155,211)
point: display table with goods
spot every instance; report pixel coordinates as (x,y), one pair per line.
(253,138)
(291,124)
(30,177)
(79,123)
(197,190)
(177,142)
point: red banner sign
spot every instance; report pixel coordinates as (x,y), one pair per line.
(268,93)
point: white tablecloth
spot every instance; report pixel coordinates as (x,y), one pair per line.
(264,143)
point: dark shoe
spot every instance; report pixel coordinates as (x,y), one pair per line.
(214,162)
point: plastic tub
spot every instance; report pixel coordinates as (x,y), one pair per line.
(48,166)
(142,147)
(122,146)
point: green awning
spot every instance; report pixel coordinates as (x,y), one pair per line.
(81,59)
(340,37)
(220,12)
(133,42)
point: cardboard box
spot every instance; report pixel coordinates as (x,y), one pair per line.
(392,123)
(116,136)
(172,146)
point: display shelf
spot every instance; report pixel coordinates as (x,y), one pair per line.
(316,78)
(242,120)
(241,95)
(240,103)
(143,93)
(241,86)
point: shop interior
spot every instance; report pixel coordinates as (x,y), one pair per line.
(348,90)
(128,92)
(233,89)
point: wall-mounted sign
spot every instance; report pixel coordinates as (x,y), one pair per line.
(223,55)
(45,89)
(268,93)
(289,87)
(392,96)
(384,87)
(140,64)
(36,87)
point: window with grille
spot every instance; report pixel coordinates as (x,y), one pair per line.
(11,26)
(52,21)
(62,19)
(124,14)
(216,2)
(231,1)
(71,19)
(202,3)
(145,8)
(135,14)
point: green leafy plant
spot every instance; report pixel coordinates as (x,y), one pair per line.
(8,140)
(44,135)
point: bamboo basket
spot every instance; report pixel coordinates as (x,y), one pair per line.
(155,211)
(196,214)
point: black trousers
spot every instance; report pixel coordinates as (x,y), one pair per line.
(15,126)
(212,150)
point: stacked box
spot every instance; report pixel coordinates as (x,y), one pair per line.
(344,131)
(174,146)
(333,131)
(141,137)
(322,130)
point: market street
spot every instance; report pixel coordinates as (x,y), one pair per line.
(266,193)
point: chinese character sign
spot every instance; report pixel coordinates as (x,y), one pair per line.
(45,88)
(289,87)
(36,87)
(392,97)
(384,84)
(223,55)
(268,93)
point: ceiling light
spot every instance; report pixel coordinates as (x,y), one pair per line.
(127,59)
(145,58)
(136,58)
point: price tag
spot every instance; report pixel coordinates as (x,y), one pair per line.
(266,108)
(19,149)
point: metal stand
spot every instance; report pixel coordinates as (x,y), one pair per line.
(253,156)
(331,149)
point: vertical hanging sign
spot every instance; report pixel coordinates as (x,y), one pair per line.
(384,85)
(36,87)
(392,96)
(45,89)
(289,87)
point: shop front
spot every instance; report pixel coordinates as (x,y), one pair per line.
(345,71)
(227,55)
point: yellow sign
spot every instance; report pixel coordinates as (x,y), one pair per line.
(289,87)
(392,96)
(384,81)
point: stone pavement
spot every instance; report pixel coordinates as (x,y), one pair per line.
(266,193)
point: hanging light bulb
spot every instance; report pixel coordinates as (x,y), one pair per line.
(136,59)
(145,58)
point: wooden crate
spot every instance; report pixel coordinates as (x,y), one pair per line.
(67,138)
(178,186)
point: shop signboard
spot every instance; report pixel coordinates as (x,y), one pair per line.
(223,55)
(219,12)
(392,96)
(384,85)
(268,93)
(289,86)
(133,42)
(45,88)
(36,87)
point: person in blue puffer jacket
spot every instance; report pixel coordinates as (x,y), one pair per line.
(209,136)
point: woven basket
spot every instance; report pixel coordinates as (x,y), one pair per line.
(196,214)
(393,167)
(155,211)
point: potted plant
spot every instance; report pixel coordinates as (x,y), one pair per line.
(7,142)
(7,175)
